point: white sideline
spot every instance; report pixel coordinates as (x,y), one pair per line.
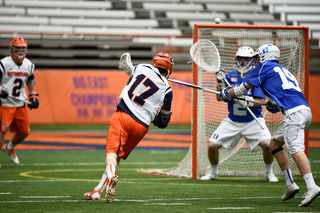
(140,201)
(87,164)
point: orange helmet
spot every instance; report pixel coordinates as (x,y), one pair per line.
(163,60)
(18,49)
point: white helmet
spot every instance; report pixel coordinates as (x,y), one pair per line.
(268,52)
(244,52)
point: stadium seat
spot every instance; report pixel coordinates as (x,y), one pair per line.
(142,23)
(173,6)
(53,12)
(60,4)
(234,7)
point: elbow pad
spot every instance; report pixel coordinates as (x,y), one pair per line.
(162,120)
(240,90)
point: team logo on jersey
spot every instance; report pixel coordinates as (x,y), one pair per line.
(25,74)
(234,79)
(5,126)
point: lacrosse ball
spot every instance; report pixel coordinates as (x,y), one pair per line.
(217,20)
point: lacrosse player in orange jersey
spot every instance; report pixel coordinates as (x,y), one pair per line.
(146,92)
(16,71)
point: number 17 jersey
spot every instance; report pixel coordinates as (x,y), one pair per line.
(146,92)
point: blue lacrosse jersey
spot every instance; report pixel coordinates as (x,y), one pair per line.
(236,112)
(277,83)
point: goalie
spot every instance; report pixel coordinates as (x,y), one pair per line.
(147,91)
(239,122)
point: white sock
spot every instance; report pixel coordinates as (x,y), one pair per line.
(308,178)
(288,176)
(214,168)
(269,168)
(10,146)
(102,185)
(111,170)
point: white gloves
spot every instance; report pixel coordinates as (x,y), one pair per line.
(220,76)
(246,103)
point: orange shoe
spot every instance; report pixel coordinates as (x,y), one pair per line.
(93,195)
(12,154)
(111,188)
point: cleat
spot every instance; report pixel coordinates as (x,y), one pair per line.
(93,195)
(290,192)
(12,154)
(210,176)
(271,177)
(111,188)
(310,195)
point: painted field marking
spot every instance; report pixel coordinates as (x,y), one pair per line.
(167,204)
(90,164)
(5,193)
(232,208)
(30,197)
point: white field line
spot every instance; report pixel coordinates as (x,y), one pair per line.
(63,180)
(139,201)
(89,164)
(102,163)
(5,193)
(43,197)
(233,208)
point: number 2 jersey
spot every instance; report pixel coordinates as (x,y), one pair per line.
(278,84)
(236,112)
(13,79)
(146,92)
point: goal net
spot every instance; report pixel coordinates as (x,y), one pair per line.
(207,112)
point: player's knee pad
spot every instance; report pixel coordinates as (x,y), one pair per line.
(277,150)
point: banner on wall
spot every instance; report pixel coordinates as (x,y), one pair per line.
(72,96)
(68,97)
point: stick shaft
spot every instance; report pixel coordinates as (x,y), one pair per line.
(18,99)
(212,91)
(248,109)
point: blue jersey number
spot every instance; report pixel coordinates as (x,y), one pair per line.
(152,88)
(288,80)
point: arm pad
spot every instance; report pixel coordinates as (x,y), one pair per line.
(161,120)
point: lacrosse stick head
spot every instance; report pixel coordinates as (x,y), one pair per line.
(206,55)
(244,59)
(125,63)
(164,61)
(268,52)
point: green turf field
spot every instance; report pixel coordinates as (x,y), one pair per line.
(55,181)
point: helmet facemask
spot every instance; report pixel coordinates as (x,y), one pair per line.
(244,60)
(18,49)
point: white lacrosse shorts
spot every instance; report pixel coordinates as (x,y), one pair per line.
(229,133)
(291,131)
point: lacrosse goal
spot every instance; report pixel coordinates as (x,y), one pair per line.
(207,112)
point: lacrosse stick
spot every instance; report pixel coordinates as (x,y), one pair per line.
(212,91)
(125,63)
(206,55)
(18,99)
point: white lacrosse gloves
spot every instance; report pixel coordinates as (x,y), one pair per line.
(220,76)
(125,63)
(245,103)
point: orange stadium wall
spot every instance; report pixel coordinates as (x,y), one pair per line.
(70,97)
